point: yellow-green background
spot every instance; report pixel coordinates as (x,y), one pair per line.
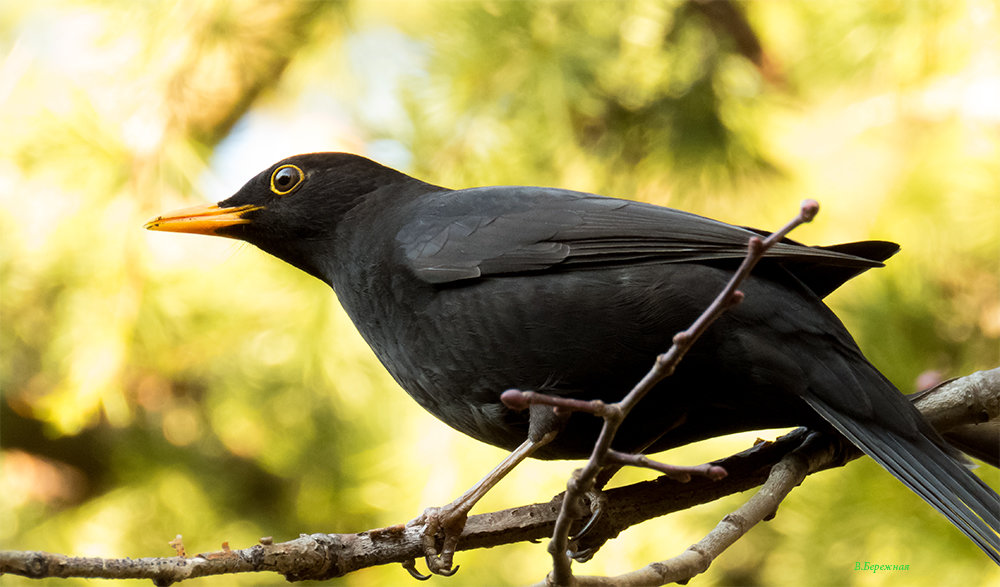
(159,384)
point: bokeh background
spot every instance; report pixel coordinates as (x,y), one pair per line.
(159,384)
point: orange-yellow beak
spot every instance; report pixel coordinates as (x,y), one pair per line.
(204,219)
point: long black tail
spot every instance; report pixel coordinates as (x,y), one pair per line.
(918,459)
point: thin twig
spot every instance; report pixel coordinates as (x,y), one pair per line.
(675,472)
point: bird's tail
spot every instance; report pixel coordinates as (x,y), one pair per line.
(922,464)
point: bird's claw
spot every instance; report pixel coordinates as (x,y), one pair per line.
(411,568)
(598,500)
(442,528)
(584,554)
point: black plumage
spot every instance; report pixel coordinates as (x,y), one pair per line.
(463,294)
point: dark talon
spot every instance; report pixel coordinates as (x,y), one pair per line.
(598,501)
(411,568)
(594,516)
(439,568)
(582,556)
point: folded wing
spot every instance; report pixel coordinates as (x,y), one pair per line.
(493,231)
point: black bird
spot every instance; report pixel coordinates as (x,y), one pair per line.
(463,294)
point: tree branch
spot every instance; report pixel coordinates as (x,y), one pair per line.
(323,556)
(967,413)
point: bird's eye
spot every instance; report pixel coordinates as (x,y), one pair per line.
(285,179)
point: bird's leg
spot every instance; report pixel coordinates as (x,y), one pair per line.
(444,524)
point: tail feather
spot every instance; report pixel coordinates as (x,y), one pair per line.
(921,464)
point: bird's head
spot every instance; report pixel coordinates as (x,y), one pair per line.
(294,209)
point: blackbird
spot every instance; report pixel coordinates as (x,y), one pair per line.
(463,294)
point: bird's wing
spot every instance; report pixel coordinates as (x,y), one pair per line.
(472,233)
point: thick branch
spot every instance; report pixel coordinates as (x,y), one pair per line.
(323,556)
(967,412)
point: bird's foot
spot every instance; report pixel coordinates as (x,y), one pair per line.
(589,539)
(584,549)
(442,528)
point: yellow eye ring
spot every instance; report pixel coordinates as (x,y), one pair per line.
(286,178)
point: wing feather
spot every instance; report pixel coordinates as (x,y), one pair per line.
(493,231)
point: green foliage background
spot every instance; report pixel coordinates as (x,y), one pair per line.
(158,384)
